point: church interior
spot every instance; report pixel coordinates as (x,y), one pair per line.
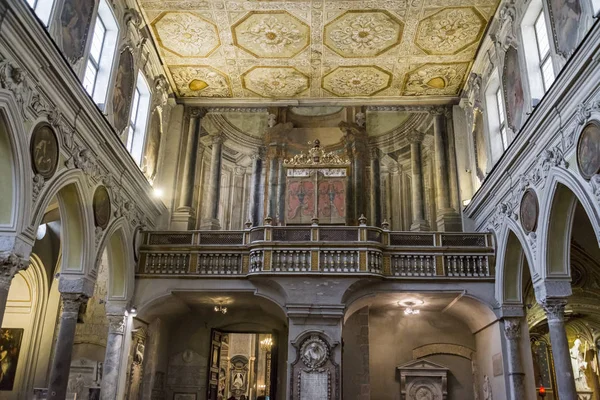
(299,200)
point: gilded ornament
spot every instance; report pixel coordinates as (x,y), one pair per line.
(186,34)
(316,156)
(357,81)
(275,81)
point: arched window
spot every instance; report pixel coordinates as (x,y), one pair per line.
(42,8)
(496,116)
(138,119)
(102,54)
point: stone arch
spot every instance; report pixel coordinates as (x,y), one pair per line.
(557,209)
(15,166)
(30,292)
(513,252)
(118,244)
(77,234)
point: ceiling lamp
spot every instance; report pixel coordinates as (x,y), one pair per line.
(220,308)
(410,306)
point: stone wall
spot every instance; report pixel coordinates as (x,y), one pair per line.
(392,338)
(355,370)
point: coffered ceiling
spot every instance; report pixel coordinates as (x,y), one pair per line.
(319,49)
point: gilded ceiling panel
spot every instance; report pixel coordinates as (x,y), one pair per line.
(245,49)
(357,81)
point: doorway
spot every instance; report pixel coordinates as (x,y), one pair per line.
(243,366)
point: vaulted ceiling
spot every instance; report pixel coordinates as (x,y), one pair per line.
(319,49)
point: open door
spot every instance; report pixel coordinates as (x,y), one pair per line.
(272,360)
(214,364)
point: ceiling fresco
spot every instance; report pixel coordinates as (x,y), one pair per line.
(304,49)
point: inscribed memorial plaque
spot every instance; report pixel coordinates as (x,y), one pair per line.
(314,385)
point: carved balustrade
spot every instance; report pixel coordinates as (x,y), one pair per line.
(340,250)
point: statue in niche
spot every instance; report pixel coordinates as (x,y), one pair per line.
(138,357)
(487,388)
(579,365)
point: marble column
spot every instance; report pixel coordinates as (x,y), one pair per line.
(61,364)
(281,183)
(447,218)
(516,374)
(184,216)
(214,186)
(415,139)
(112,358)
(10,265)
(273,173)
(555,312)
(254,215)
(238,198)
(375,187)
(396,206)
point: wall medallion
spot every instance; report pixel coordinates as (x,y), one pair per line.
(588,150)
(44,151)
(529,211)
(101,207)
(514,97)
(314,352)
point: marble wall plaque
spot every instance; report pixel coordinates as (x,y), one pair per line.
(497,366)
(314,385)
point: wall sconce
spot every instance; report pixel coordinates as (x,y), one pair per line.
(266,343)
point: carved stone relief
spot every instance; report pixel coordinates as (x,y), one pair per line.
(423,380)
(314,374)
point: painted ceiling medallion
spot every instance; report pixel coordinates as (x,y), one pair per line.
(450,31)
(363,33)
(357,81)
(435,79)
(201,80)
(275,81)
(186,34)
(275,34)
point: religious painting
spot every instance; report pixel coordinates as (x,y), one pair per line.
(101,207)
(529,211)
(184,396)
(541,364)
(300,198)
(565,16)
(44,151)
(332,201)
(588,150)
(152,146)
(10,346)
(75,20)
(124,84)
(513,89)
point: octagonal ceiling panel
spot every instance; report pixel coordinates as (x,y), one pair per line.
(363,33)
(450,31)
(317,49)
(275,82)
(186,34)
(271,34)
(357,81)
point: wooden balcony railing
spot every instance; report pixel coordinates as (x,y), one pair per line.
(344,250)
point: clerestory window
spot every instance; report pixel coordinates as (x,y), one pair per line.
(42,8)
(138,119)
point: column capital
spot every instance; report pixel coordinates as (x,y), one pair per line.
(10,265)
(239,170)
(512,328)
(415,137)
(374,153)
(217,139)
(259,154)
(197,112)
(439,110)
(116,324)
(71,303)
(554,308)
